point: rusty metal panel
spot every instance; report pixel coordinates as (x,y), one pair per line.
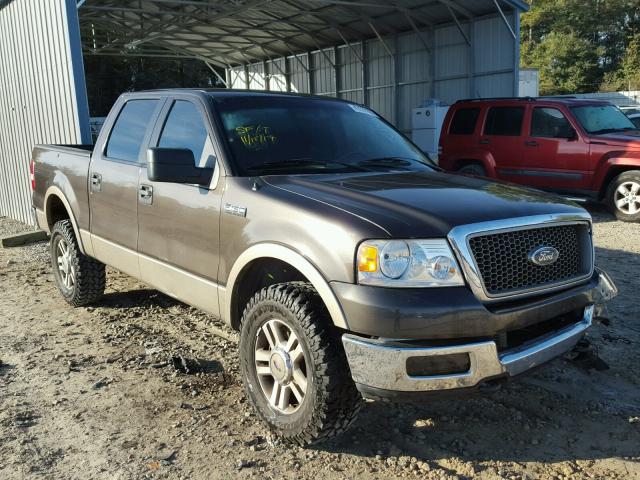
(42,92)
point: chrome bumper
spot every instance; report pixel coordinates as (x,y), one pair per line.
(380,365)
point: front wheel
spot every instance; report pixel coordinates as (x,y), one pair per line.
(294,368)
(80,279)
(623,196)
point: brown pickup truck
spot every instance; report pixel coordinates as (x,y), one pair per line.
(349,263)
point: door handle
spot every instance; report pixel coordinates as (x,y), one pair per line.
(531,143)
(484,141)
(145,194)
(96,182)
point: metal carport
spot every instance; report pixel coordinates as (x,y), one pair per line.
(390,55)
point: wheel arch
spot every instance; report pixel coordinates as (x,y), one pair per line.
(231,295)
(612,172)
(486,160)
(55,206)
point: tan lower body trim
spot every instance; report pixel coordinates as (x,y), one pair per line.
(173,281)
(179,284)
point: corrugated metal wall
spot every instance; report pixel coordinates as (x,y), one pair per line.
(412,67)
(42,91)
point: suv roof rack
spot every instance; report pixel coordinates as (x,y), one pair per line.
(523,99)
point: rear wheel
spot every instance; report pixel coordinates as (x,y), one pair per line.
(623,196)
(473,169)
(294,368)
(80,279)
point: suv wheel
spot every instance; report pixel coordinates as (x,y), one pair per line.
(80,279)
(294,368)
(623,196)
(473,169)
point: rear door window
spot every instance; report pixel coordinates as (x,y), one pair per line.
(464,121)
(548,123)
(505,121)
(129,129)
(185,128)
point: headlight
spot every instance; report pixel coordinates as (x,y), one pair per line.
(407,263)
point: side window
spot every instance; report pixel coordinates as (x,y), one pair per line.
(505,121)
(549,123)
(184,128)
(464,121)
(128,131)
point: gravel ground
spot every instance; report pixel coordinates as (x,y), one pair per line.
(92,393)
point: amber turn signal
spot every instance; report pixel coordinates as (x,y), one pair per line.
(367,259)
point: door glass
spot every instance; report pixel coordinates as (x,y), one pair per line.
(505,121)
(184,128)
(549,123)
(128,132)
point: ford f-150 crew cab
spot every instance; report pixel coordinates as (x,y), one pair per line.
(349,263)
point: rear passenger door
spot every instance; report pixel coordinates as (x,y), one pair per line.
(179,223)
(502,138)
(113,182)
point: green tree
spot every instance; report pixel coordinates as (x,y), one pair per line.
(567,63)
(109,76)
(606,27)
(631,63)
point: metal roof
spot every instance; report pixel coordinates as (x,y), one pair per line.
(235,32)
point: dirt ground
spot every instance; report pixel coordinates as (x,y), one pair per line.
(92,393)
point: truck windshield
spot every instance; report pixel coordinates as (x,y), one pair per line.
(600,119)
(278,134)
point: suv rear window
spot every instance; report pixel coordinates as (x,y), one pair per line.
(464,121)
(504,121)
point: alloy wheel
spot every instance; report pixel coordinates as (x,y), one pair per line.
(281,367)
(627,198)
(65,264)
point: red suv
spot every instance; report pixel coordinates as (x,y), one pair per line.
(586,148)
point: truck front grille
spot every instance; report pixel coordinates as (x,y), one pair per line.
(505,268)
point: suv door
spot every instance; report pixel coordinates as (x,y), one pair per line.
(178,224)
(555,156)
(502,137)
(113,183)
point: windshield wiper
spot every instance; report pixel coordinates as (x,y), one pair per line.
(304,163)
(402,162)
(612,130)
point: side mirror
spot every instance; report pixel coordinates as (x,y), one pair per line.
(569,133)
(175,165)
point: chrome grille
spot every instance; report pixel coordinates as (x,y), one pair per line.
(503,261)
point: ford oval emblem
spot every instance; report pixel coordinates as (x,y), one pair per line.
(543,256)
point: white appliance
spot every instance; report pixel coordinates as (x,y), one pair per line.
(426,123)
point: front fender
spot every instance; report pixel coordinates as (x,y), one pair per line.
(615,160)
(293,258)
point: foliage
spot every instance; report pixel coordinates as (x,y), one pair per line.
(109,76)
(581,45)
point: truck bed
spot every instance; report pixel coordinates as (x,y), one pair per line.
(65,167)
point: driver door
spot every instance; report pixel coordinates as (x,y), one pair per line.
(178,236)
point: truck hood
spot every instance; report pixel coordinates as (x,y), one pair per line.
(630,140)
(422,204)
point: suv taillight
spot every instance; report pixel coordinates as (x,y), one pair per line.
(32,174)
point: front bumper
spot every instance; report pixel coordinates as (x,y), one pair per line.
(381,366)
